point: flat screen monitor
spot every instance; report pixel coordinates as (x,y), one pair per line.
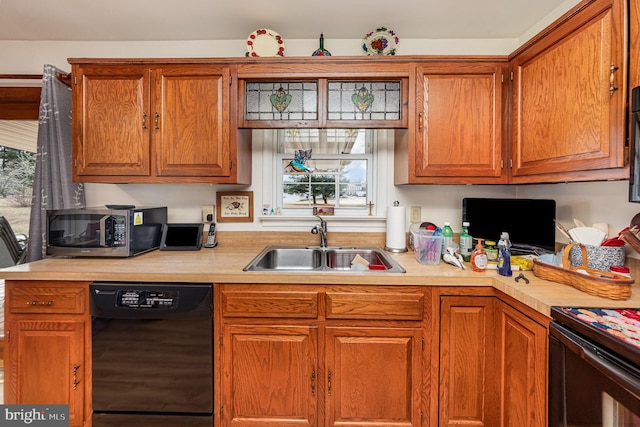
(181,237)
(529,222)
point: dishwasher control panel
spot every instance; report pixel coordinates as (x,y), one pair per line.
(147,299)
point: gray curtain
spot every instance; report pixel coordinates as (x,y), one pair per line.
(52,187)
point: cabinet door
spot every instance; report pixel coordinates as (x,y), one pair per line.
(457,125)
(191,120)
(269,376)
(468,380)
(373,376)
(569,98)
(112,121)
(523,351)
(45,364)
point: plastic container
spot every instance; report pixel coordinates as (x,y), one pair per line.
(426,247)
(504,255)
(492,250)
(466,242)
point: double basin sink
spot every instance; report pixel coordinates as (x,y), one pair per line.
(331,259)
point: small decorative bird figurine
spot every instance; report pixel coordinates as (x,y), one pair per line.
(452,257)
(298,163)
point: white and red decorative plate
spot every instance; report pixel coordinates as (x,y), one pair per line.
(263,42)
(382,41)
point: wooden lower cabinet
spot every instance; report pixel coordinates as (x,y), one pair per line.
(324,356)
(492,364)
(523,350)
(269,375)
(468,392)
(47,330)
(373,376)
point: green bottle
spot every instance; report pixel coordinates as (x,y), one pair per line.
(466,242)
(447,234)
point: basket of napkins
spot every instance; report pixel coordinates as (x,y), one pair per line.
(558,268)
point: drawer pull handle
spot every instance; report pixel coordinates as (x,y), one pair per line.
(36,302)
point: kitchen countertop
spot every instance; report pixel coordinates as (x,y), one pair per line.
(224,264)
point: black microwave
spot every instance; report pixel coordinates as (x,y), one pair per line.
(104,232)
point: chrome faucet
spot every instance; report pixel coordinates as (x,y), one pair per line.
(322,230)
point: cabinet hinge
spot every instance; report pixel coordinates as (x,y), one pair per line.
(502,78)
(510,163)
(221,340)
(222,412)
(8,336)
(501,164)
(423,344)
(230,164)
(230,80)
(421,417)
(75,80)
(511,76)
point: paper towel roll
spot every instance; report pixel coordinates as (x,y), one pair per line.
(396,228)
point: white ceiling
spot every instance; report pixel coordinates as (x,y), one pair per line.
(145,20)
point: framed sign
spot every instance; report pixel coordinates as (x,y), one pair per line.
(234,206)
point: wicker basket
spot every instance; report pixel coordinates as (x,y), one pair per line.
(599,283)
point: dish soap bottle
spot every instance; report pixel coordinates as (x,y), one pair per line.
(504,255)
(479,258)
(466,242)
(447,234)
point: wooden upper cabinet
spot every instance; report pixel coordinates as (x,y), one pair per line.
(569,94)
(157,122)
(111,121)
(192,105)
(455,131)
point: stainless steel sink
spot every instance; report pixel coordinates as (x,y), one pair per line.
(287,258)
(315,258)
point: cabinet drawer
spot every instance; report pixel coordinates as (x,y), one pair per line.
(375,305)
(46,300)
(284,304)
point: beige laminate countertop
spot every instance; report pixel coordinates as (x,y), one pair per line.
(224,264)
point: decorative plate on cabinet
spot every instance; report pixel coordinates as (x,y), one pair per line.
(264,42)
(382,41)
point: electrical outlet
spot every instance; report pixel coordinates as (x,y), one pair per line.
(208,213)
(416,214)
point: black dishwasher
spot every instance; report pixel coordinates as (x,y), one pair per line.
(152,354)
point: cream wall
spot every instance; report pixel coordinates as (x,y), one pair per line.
(590,202)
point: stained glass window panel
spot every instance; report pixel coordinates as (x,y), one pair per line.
(281,101)
(358,100)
